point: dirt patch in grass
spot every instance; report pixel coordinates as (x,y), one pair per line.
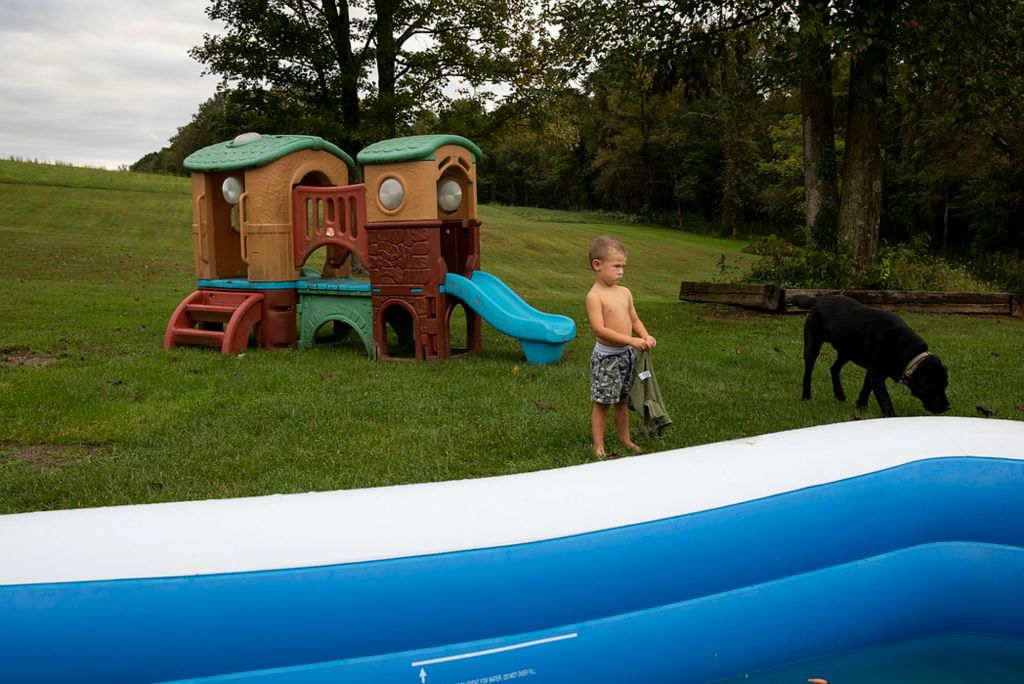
(46,456)
(16,356)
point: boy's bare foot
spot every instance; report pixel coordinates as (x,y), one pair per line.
(633,447)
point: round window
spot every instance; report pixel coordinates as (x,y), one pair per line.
(449,195)
(232,189)
(391,194)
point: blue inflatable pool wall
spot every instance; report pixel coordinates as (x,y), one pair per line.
(692,565)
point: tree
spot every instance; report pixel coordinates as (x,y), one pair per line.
(357,71)
(695,72)
(781,175)
(821,191)
(860,207)
(958,45)
(958,101)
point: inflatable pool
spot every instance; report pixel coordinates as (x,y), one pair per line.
(693,565)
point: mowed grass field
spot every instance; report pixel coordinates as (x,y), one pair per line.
(94,412)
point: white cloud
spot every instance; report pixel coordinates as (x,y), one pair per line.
(98,83)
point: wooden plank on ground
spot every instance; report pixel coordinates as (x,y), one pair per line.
(765,297)
(772,298)
(990,303)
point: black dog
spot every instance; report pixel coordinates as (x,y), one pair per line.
(878,341)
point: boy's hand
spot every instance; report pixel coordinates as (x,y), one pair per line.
(651,342)
(639,343)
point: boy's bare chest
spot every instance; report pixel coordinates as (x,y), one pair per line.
(615,303)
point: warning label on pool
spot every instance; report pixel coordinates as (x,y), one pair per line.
(510,676)
(515,675)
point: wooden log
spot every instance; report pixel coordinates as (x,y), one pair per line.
(987,303)
(772,298)
(764,297)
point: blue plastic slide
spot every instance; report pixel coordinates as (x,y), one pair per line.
(541,335)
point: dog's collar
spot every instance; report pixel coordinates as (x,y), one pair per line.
(912,366)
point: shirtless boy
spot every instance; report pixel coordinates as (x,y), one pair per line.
(614,322)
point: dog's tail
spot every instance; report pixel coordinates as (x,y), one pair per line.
(803,301)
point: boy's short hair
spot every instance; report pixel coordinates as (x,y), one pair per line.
(602,246)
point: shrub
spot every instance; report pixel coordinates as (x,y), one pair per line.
(1005,269)
(907,266)
(787,265)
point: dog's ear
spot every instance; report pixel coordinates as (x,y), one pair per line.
(940,372)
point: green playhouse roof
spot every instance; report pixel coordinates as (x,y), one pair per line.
(253,150)
(413,148)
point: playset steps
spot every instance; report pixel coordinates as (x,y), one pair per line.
(237,312)
(213,313)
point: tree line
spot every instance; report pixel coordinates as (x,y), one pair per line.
(837,124)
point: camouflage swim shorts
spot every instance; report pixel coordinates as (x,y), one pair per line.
(611,374)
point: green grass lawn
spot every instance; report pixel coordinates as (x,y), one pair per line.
(94,412)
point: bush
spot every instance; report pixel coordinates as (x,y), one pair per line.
(1005,269)
(907,266)
(787,265)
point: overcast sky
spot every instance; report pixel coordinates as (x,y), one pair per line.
(98,82)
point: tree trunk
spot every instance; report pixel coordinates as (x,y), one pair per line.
(821,201)
(387,54)
(860,211)
(340,27)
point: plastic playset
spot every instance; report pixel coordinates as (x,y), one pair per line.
(263,205)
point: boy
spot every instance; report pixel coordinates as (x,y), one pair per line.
(613,320)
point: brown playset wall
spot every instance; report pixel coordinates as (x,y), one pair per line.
(266,206)
(216,243)
(260,244)
(474,325)
(200,260)
(457,163)
(277,329)
(460,246)
(408,261)
(406,254)
(406,270)
(413,247)
(420,180)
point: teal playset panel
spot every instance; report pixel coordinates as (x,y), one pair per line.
(244,284)
(259,150)
(413,148)
(336,285)
(333,304)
